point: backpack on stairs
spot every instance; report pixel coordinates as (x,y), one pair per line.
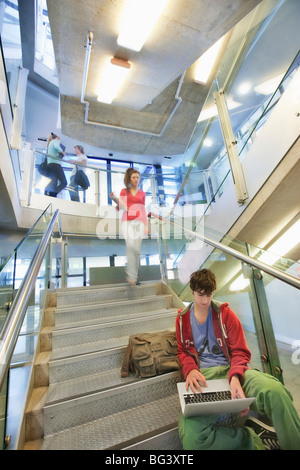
(150,354)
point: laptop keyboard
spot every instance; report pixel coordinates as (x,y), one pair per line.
(206,397)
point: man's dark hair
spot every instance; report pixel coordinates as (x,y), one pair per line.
(203,281)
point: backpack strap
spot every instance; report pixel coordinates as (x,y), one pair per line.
(126,365)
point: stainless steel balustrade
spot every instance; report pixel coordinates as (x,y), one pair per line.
(13,323)
(287,278)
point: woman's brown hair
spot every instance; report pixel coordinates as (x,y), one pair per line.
(127,177)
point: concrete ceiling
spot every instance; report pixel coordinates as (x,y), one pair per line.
(181,36)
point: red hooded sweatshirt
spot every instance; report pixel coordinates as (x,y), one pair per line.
(229,334)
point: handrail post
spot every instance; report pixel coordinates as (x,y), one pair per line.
(97,191)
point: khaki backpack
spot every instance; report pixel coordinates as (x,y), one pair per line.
(150,354)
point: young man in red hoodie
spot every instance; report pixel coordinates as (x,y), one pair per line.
(212,345)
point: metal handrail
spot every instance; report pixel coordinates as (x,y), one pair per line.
(14,320)
(287,278)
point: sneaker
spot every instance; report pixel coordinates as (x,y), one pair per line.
(266,433)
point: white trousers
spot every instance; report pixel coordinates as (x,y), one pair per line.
(133,232)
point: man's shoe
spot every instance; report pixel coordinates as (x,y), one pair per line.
(266,433)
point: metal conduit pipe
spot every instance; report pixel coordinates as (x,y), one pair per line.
(11,328)
(274,272)
(90,36)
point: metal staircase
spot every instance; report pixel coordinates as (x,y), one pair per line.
(80,400)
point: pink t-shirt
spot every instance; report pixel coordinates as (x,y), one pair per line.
(135,205)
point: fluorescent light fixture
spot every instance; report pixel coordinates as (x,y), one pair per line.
(268,87)
(212,110)
(137,21)
(205,63)
(239,284)
(112,78)
(284,244)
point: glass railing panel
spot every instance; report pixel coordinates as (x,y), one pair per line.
(3,404)
(26,249)
(283,301)
(88,259)
(72,191)
(189,247)
(6,286)
(280,262)
(20,371)
(24,354)
(13,271)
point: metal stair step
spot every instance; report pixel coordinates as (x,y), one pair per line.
(120,430)
(115,417)
(100,332)
(113,318)
(97,295)
(108,310)
(89,384)
(80,349)
(78,367)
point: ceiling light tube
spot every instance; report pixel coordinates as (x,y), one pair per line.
(137,21)
(282,246)
(206,62)
(112,78)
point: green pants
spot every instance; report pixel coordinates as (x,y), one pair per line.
(272,399)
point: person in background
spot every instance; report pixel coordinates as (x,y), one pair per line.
(54,170)
(211,345)
(82,160)
(134,221)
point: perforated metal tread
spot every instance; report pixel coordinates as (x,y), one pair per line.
(118,430)
(85,338)
(88,348)
(86,385)
(114,318)
(97,295)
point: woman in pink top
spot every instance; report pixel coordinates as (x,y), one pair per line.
(134,221)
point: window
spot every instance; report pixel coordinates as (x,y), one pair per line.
(44,62)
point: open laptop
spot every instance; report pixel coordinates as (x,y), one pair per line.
(214,399)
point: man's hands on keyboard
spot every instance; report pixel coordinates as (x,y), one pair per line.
(195,380)
(237,392)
